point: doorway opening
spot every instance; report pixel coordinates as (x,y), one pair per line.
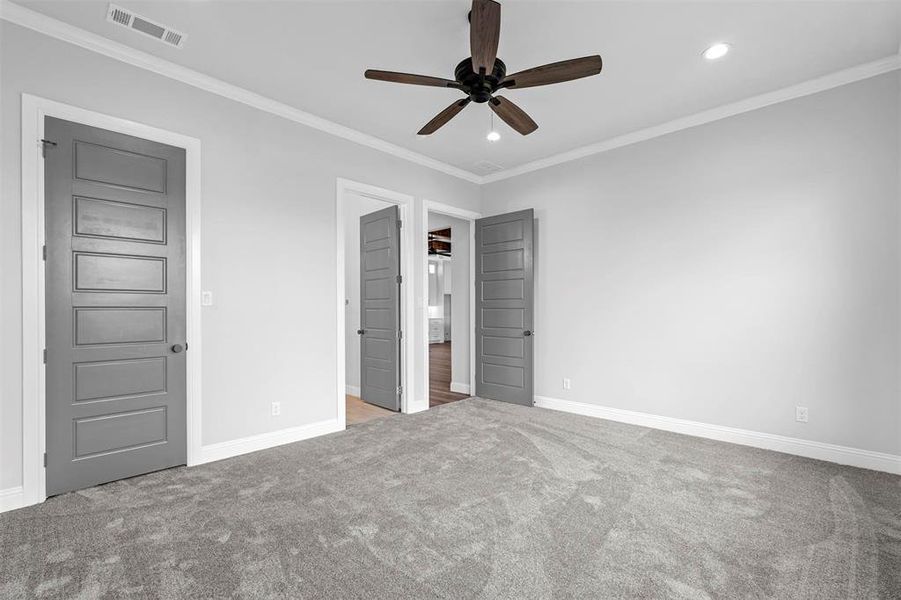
(373,303)
(35,327)
(357,410)
(449,281)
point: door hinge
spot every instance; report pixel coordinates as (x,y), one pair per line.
(186,346)
(45,356)
(400,334)
(399,279)
(400,390)
(400,224)
(44,145)
(44,252)
(45,459)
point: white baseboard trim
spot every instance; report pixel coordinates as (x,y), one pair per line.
(460,388)
(12,498)
(223,450)
(842,455)
(416,407)
(352,390)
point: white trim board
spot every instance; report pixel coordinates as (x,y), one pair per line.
(460,388)
(11,499)
(60,30)
(253,443)
(806,88)
(34,109)
(352,390)
(842,455)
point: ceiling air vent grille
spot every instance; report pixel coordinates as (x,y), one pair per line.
(485,167)
(126,18)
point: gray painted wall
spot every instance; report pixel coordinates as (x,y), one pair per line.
(730,272)
(268,231)
(460,286)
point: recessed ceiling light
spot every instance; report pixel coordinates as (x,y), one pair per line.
(493,136)
(718,50)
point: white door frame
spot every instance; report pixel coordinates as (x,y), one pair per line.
(405,203)
(34,109)
(465,215)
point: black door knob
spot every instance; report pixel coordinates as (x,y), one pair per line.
(178,348)
(527,333)
(360,332)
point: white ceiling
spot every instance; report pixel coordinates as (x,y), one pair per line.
(311,55)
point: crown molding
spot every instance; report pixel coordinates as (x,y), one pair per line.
(806,88)
(30,19)
(25,17)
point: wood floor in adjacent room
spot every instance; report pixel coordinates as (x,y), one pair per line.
(358,411)
(440,375)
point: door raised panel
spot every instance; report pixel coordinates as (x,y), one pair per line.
(379,378)
(119,378)
(380,318)
(114,166)
(377,260)
(119,273)
(505,289)
(378,348)
(503,375)
(507,260)
(379,289)
(374,231)
(503,318)
(499,233)
(119,432)
(125,325)
(503,347)
(119,220)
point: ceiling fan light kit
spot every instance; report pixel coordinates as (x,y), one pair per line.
(483,74)
(717,51)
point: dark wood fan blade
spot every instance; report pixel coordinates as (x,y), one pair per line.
(513,115)
(444,116)
(484,33)
(557,72)
(393,77)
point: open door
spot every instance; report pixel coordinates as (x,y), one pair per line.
(380,332)
(504,307)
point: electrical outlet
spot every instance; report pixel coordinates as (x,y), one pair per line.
(567,383)
(801,414)
(276,409)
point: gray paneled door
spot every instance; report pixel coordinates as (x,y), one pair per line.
(115,296)
(504,307)
(380,330)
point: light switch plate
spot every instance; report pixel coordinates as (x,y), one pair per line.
(206,298)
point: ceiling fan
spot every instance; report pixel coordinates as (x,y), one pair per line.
(482,75)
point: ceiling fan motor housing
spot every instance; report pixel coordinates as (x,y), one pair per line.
(478,87)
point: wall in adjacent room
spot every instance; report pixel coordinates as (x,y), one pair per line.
(730,272)
(269,245)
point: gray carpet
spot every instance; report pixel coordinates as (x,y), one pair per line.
(474,499)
